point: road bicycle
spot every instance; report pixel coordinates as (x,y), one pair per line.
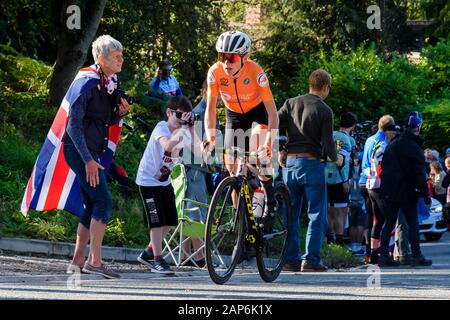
(232,229)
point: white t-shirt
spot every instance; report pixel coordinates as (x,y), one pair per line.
(156,164)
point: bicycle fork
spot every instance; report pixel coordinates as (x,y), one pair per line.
(253,233)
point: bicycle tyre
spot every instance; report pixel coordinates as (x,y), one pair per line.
(235,244)
(270,267)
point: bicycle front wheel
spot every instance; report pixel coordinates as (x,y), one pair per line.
(272,249)
(224,239)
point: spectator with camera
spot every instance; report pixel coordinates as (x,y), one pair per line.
(85,141)
(166,142)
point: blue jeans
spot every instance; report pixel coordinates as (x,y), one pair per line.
(97,201)
(305,179)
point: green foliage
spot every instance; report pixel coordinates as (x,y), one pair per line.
(439,12)
(182,31)
(436,124)
(436,65)
(28,27)
(17,153)
(323,25)
(22,74)
(365,82)
(115,234)
(49,230)
(338,257)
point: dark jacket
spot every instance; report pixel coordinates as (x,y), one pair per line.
(308,122)
(89,120)
(403,170)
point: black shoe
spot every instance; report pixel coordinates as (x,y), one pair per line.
(404,260)
(330,238)
(161,266)
(268,218)
(146,259)
(374,258)
(384,261)
(421,261)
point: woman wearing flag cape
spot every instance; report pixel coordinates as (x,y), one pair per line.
(69,173)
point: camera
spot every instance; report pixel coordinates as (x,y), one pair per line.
(122,94)
(362,132)
(194,117)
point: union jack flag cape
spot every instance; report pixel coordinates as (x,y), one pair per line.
(53,185)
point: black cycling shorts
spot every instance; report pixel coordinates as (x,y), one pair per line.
(243,121)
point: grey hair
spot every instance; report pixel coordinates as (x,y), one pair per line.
(104,45)
(434,153)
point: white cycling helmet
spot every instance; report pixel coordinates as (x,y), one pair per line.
(233,42)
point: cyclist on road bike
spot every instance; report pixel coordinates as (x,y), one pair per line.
(244,89)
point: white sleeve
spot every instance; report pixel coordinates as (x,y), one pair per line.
(160,131)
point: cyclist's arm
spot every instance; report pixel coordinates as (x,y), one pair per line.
(269,103)
(210,117)
(211,103)
(273,121)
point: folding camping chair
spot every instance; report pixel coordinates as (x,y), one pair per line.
(187,228)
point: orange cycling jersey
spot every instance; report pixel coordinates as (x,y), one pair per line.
(242,94)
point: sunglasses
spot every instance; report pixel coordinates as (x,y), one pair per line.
(178,114)
(231,57)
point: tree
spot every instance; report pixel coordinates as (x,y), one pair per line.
(439,11)
(27,26)
(73,44)
(180,30)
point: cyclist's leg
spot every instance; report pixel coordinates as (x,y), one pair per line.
(265,168)
(236,132)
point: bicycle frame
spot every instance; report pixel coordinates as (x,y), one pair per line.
(250,217)
(252,228)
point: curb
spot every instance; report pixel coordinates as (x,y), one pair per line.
(64,249)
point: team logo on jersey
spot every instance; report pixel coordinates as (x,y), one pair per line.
(246,81)
(262,80)
(224,82)
(211,78)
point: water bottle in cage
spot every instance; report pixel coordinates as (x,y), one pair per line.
(258,202)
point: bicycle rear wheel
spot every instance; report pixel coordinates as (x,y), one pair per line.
(224,239)
(272,249)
